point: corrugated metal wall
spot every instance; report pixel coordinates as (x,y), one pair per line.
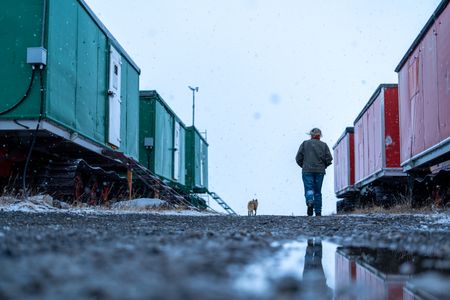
(424,96)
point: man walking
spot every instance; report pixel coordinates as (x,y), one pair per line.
(313,157)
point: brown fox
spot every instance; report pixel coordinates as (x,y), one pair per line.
(252,207)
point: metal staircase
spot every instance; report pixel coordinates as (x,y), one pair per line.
(148,178)
(222,203)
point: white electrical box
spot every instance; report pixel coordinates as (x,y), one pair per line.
(37,56)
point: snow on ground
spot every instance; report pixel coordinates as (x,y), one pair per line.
(141,203)
(45,203)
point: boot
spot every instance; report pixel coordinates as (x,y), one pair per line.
(310,209)
(318,214)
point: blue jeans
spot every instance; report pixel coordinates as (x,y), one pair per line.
(313,190)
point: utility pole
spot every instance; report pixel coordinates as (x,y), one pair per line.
(193,103)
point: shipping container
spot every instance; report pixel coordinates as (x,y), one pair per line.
(376,138)
(90,84)
(344,164)
(424,94)
(196,160)
(162,139)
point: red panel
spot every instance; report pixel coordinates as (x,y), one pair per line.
(392,130)
(395,290)
(443,49)
(352,157)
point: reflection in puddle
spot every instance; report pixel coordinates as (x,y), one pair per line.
(366,273)
(322,270)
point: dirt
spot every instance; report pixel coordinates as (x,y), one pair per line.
(143,256)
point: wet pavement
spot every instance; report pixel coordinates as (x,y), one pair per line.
(142,256)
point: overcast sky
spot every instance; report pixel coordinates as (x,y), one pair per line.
(267,71)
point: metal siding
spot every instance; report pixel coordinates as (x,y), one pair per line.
(404,115)
(391,117)
(87,74)
(366,148)
(376,127)
(62,58)
(205,164)
(190,158)
(163,142)
(20,28)
(429,89)
(132,111)
(343,163)
(337,166)
(196,159)
(101,92)
(425,120)
(443,48)
(359,151)
(418,141)
(182,162)
(146,121)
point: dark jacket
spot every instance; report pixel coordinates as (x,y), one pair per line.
(313,156)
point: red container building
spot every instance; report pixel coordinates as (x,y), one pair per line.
(377,147)
(344,164)
(424,95)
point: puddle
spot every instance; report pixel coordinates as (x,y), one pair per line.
(315,269)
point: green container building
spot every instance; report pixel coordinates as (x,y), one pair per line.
(91,84)
(196,160)
(161,139)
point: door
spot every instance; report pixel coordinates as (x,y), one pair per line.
(176,151)
(115,63)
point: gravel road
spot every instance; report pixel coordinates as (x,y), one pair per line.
(144,256)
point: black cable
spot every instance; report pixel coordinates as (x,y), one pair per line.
(30,151)
(27,93)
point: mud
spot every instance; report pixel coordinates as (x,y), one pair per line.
(143,256)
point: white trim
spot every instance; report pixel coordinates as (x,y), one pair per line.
(410,162)
(392,172)
(52,129)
